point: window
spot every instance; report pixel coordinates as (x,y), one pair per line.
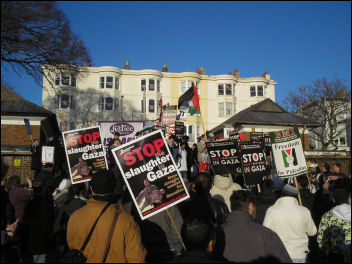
(260,90)
(151,85)
(253,93)
(143,85)
(72,125)
(228,89)
(116,105)
(221,109)
(185,85)
(192,132)
(229,109)
(151,106)
(107,104)
(342,141)
(117,84)
(107,82)
(220,89)
(65,79)
(64,101)
(158,86)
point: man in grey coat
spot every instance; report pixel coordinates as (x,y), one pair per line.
(247,241)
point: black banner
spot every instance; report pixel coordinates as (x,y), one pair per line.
(85,153)
(235,135)
(253,162)
(150,174)
(257,137)
(224,157)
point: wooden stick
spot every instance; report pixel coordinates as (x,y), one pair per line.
(178,234)
(230,177)
(299,194)
(258,185)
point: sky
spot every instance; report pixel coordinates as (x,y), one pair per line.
(295,42)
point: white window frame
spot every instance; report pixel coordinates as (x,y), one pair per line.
(231,89)
(114,82)
(102,105)
(57,102)
(58,77)
(153,106)
(158,86)
(223,89)
(226,112)
(151,85)
(143,87)
(188,84)
(196,132)
(251,91)
(262,91)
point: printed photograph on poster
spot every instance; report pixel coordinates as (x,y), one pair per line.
(288,153)
(84,152)
(224,157)
(150,173)
(253,162)
(47,154)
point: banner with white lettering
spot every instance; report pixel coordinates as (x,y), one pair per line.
(127,130)
(151,174)
(288,153)
(47,154)
(85,153)
(253,162)
(224,157)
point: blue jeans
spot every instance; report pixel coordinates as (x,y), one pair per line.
(39,258)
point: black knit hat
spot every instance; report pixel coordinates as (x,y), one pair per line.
(103,182)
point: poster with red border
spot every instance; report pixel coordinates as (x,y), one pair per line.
(84,152)
(151,174)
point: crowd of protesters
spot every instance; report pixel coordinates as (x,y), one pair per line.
(222,221)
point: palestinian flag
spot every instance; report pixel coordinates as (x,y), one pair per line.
(189,101)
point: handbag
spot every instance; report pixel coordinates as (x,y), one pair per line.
(75,255)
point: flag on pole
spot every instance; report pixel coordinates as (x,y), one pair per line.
(189,102)
(28,126)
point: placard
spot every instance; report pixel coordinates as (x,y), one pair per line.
(85,153)
(47,154)
(151,174)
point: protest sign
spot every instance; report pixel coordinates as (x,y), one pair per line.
(127,130)
(224,157)
(47,154)
(168,119)
(257,137)
(253,162)
(288,153)
(234,135)
(28,126)
(179,128)
(267,141)
(150,173)
(85,153)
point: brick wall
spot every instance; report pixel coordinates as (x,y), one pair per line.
(345,161)
(24,168)
(17,135)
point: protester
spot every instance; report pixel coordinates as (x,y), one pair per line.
(293,223)
(334,235)
(61,193)
(223,188)
(202,150)
(198,235)
(266,198)
(116,136)
(307,197)
(194,158)
(247,241)
(36,163)
(336,172)
(182,160)
(49,180)
(18,195)
(126,245)
(185,140)
(201,201)
(37,223)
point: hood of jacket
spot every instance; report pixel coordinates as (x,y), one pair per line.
(222,183)
(343,211)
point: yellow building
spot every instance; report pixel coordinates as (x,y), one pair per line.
(109,93)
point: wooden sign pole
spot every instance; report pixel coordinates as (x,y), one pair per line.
(174,225)
(299,194)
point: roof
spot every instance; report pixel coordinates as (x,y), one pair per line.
(14,104)
(266,112)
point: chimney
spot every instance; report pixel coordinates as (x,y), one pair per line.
(236,73)
(266,75)
(197,70)
(202,71)
(165,69)
(230,73)
(127,65)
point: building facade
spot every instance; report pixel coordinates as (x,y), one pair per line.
(110,93)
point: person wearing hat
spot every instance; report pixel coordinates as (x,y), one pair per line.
(126,244)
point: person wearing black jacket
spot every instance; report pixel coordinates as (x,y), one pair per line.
(36,163)
(266,198)
(185,140)
(202,202)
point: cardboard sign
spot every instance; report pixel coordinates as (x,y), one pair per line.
(257,137)
(234,135)
(151,174)
(127,130)
(253,162)
(47,154)
(168,119)
(85,153)
(288,153)
(224,157)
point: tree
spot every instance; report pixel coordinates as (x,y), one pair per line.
(35,35)
(327,102)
